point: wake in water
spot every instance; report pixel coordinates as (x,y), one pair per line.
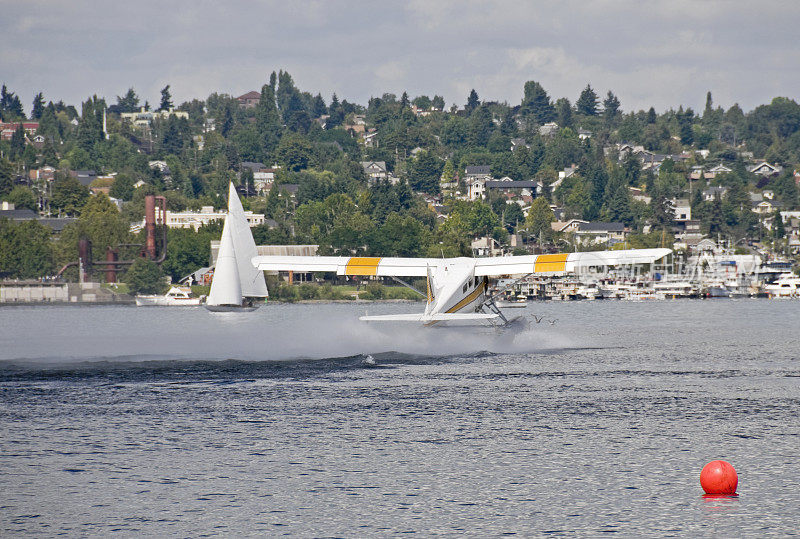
(271,334)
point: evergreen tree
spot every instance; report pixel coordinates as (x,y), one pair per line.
(778,230)
(17,142)
(617,199)
(319,107)
(685,120)
(709,106)
(268,123)
(587,102)
(651,116)
(472,102)
(437,102)
(536,104)
(38,107)
(404,102)
(715,219)
(610,107)
(166,99)
(564,112)
(481,126)
(6,176)
(129,102)
(336,113)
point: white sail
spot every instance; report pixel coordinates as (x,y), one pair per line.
(225,287)
(244,246)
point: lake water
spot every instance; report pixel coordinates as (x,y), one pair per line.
(158,421)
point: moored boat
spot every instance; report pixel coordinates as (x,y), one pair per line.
(176,296)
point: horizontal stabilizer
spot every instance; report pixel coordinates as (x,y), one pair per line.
(428,317)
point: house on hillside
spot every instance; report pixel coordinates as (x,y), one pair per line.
(476,177)
(371,139)
(375,171)
(8,129)
(765,169)
(713,192)
(143,118)
(249,100)
(550,129)
(592,233)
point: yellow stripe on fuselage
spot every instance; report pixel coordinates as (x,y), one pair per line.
(545,263)
(362,266)
(469,299)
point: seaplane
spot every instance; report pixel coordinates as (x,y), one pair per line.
(457,289)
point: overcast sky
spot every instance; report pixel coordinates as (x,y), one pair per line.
(664,53)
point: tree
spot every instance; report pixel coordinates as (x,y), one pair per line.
(651,116)
(6,176)
(166,99)
(424,172)
(18,142)
(437,102)
(145,277)
(480,126)
(25,250)
(38,106)
(294,152)
(536,104)
(22,197)
(122,188)
(610,107)
(268,121)
(778,230)
(472,102)
(336,117)
(129,102)
(68,195)
(319,107)
(539,218)
(587,102)
(564,112)
(617,199)
(404,102)
(709,106)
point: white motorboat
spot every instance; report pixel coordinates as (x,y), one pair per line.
(787,286)
(177,296)
(237,284)
(518,302)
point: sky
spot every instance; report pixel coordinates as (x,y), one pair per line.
(649,53)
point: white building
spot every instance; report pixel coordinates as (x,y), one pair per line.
(144,118)
(206,215)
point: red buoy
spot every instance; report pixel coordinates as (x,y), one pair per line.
(719,477)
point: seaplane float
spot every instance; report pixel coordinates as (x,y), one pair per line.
(457,288)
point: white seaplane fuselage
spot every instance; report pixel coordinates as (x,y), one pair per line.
(453,293)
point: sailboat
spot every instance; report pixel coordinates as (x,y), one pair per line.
(237,283)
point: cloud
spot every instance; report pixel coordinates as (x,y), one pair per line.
(648,52)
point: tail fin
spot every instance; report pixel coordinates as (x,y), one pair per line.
(429,285)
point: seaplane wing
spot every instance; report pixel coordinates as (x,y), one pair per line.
(564,262)
(493,266)
(349,265)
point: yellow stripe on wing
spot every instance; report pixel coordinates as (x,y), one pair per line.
(362,266)
(546,263)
